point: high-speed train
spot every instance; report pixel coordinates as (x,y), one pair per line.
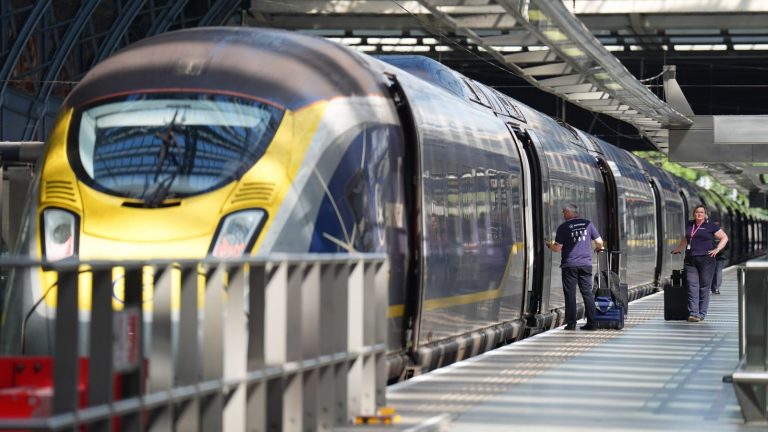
(238,141)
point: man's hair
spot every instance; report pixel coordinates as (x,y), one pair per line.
(572,208)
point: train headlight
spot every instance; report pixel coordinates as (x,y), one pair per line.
(237,233)
(60,229)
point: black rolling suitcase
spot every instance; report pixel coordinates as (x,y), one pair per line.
(610,305)
(676,296)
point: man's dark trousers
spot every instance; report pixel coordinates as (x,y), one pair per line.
(581,276)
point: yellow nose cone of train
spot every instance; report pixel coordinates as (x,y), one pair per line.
(117,228)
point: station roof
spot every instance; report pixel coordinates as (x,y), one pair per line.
(47,46)
(520,47)
(590,53)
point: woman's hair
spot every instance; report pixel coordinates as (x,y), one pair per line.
(701,206)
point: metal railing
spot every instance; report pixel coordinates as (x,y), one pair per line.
(750,379)
(285,343)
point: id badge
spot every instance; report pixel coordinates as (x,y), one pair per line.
(688,247)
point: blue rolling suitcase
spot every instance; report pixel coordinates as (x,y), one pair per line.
(609,303)
(608,314)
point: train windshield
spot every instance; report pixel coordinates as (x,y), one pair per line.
(154,147)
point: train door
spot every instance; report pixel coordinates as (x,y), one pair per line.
(405,288)
(611,235)
(660,229)
(537,225)
(686,206)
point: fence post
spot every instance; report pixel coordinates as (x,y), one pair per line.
(310,344)
(236,349)
(65,364)
(256,394)
(355,338)
(101,365)
(339,323)
(751,376)
(133,379)
(161,369)
(212,405)
(381,284)
(329,343)
(188,353)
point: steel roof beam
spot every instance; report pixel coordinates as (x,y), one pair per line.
(668,7)
(486,21)
(381,7)
(471,35)
(548,69)
(572,48)
(22,39)
(515,37)
(586,87)
(119,27)
(591,52)
(219,12)
(563,80)
(530,56)
(53,68)
(166,18)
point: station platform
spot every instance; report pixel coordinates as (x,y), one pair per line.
(652,375)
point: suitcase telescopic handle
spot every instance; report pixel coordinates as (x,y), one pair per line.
(681,254)
(599,253)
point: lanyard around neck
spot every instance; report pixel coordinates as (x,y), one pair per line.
(697,228)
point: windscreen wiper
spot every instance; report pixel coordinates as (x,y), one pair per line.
(155,193)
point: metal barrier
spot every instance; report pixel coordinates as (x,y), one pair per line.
(286,343)
(750,379)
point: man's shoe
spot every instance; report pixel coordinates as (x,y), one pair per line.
(701,318)
(570,327)
(693,318)
(717,291)
(588,327)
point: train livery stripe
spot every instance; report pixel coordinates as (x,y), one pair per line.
(397,311)
(463,299)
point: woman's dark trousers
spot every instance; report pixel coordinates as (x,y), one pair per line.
(699,271)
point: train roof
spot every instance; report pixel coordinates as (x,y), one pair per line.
(429,70)
(287,69)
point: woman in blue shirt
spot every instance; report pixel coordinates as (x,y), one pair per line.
(700,235)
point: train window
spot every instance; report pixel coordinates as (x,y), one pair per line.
(570,129)
(511,109)
(158,146)
(476,94)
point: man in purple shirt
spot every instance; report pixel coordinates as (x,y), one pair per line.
(574,239)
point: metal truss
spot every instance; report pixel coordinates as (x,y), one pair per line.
(54,65)
(571,63)
(47,46)
(544,43)
(219,12)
